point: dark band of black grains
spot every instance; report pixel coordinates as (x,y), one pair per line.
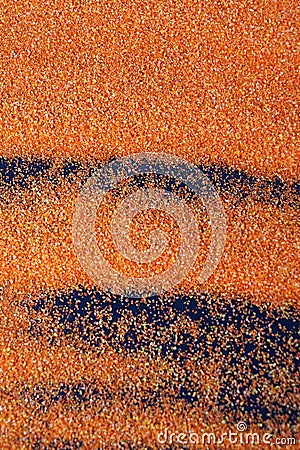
(251,344)
(22,173)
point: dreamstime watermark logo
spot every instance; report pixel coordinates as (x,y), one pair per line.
(241,426)
(106,179)
(241,436)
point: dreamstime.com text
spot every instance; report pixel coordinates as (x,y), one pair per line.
(240,436)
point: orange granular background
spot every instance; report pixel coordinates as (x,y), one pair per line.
(214,82)
(207,80)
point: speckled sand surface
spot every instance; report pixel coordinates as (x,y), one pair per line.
(81,83)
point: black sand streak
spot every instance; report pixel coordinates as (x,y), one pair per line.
(22,173)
